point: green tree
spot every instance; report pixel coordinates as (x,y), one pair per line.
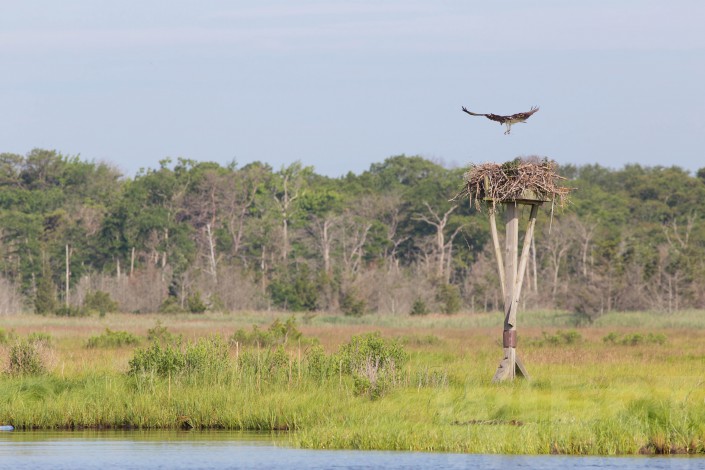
(45,300)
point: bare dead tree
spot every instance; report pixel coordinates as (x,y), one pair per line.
(442,248)
(321,229)
(585,232)
(354,237)
(678,237)
(236,195)
(389,213)
(555,247)
(284,195)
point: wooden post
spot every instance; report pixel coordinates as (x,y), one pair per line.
(506,369)
(514,270)
(522,264)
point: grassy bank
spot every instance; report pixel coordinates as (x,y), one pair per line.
(607,389)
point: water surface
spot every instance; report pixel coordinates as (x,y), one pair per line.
(226,450)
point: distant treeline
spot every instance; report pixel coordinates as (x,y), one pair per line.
(191,236)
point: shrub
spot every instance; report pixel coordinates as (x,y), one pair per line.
(160,333)
(285,331)
(448,295)
(27,358)
(295,290)
(157,359)
(277,333)
(373,362)
(255,337)
(319,364)
(634,339)
(419,307)
(195,304)
(39,337)
(45,299)
(5,336)
(112,339)
(352,305)
(585,301)
(205,356)
(611,338)
(561,338)
(270,365)
(170,305)
(277,361)
(99,301)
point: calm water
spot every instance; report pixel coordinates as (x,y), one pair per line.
(152,450)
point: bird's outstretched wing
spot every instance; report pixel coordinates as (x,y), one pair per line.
(524,116)
(471,113)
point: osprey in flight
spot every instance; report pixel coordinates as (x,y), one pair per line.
(507,120)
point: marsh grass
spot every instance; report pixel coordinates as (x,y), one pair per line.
(585,397)
(5,336)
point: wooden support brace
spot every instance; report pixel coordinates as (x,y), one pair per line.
(497,251)
(510,367)
(513,278)
(528,236)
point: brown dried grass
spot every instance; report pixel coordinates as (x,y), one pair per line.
(490,183)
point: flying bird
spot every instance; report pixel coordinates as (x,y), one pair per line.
(507,120)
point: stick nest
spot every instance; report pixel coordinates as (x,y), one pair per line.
(490,183)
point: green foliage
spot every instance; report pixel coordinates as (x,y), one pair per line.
(373,362)
(448,295)
(195,304)
(371,346)
(203,357)
(295,290)
(701,175)
(45,301)
(634,339)
(272,366)
(277,361)
(71,311)
(559,338)
(6,336)
(285,331)
(39,337)
(320,365)
(632,238)
(100,302)
(161,333)
(255,337)
(437,402)
(278,333)
(163,360)
(419,307)
(352,305)
(112,339)
(170,305)
(27,357)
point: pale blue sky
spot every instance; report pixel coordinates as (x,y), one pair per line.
(343,84)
